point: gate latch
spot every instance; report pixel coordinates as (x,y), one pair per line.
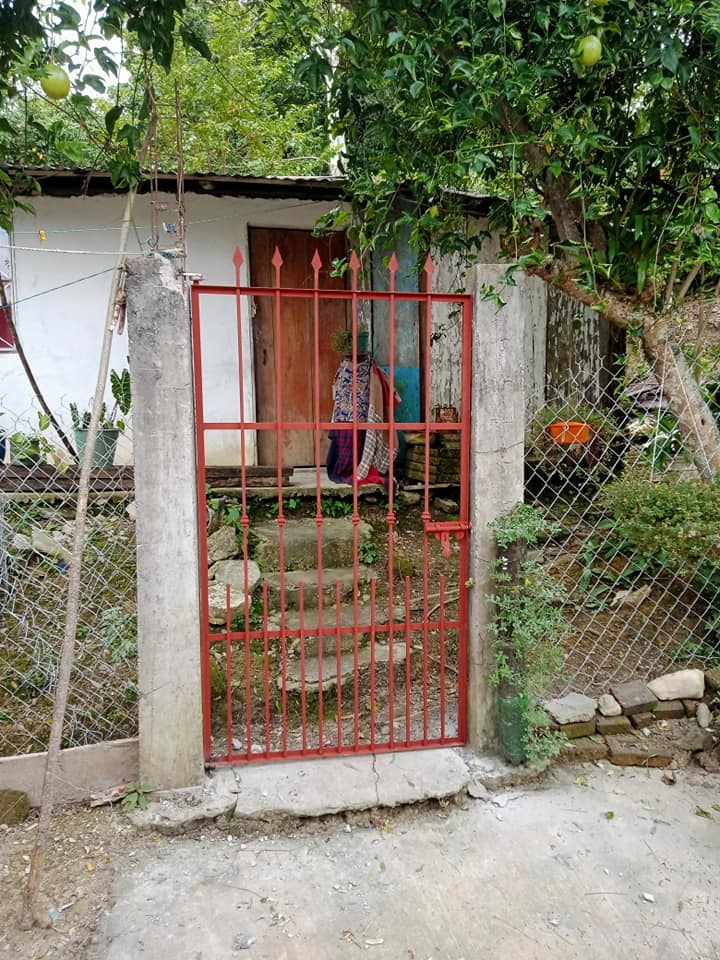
(445,529)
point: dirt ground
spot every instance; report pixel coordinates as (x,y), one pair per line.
(595,861)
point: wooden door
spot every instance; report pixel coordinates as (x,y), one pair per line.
(297,373)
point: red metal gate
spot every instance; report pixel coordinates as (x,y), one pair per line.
(334,618)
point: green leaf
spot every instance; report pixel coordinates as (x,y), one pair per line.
(111,118)
(669,57)
(91,80)
(74,150)
(192,38)
(395,37)
(106,61)
(496,8)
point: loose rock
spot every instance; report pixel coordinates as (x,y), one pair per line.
(634,696)
(243,941)
(712,679)
(613,726)
(14,806)
(633,752)
(231,572)
(574,730)
(703,715)
(640,720)
(573,708)
(680,685)
(445,505)
(44,543)
(608,706)
(669,710)
(584,750)
(222,544)
(478,791)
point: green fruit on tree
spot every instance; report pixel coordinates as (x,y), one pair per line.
(55,82)
(600,3)
(589,49)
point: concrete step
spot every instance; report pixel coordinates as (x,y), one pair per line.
(300,540)
(293,673)
(347,619)
(345,576)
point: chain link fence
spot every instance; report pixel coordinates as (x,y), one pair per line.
(636,533)
(636,545)
(38,496)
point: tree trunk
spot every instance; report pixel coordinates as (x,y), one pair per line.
(695,421)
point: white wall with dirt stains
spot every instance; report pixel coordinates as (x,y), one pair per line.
(61,260)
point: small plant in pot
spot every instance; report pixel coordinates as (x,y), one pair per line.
(111,424)
(34,448)
(343,342)
(527,632)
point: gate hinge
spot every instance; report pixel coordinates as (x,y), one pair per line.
(444,529)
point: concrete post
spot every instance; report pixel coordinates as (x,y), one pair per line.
(171,749)
(496,469)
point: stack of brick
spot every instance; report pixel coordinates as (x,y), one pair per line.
(444,456)
(663,723)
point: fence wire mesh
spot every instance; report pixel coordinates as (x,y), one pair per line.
(636,546)
(635,543)
(38,496)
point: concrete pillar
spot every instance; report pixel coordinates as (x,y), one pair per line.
(171,750)
(496,469)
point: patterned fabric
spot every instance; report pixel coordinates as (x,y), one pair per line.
(340,460)
(343,390)
(373,396)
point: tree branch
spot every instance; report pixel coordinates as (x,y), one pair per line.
(688,281)
(619,311)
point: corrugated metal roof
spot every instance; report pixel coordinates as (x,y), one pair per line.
(69,181)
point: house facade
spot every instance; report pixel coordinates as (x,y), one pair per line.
(57,267)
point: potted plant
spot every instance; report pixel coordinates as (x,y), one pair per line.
(31,449)
(527,632)
(110,426)
(343,343)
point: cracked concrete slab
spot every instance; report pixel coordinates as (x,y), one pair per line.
(543,872)
(315,788)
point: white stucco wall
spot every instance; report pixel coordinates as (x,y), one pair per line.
(62,330)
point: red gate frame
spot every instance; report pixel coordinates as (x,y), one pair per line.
(443,531)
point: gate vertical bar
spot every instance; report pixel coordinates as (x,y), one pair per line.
(316,264)
(277,262)
(465,427)
(202,516)
(426,517)
(354,266)
(244,518)
(393,266)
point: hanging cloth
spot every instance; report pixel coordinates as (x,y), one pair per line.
(342,458)
(375,463)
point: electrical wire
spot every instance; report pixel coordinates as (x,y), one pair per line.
(62,286)
(113,226)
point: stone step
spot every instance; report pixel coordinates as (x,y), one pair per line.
(293,673)
(300,540)
(345,576)
(347,620)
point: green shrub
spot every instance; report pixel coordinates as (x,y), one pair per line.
(672,524)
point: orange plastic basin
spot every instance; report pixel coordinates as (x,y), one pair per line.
(570,431)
